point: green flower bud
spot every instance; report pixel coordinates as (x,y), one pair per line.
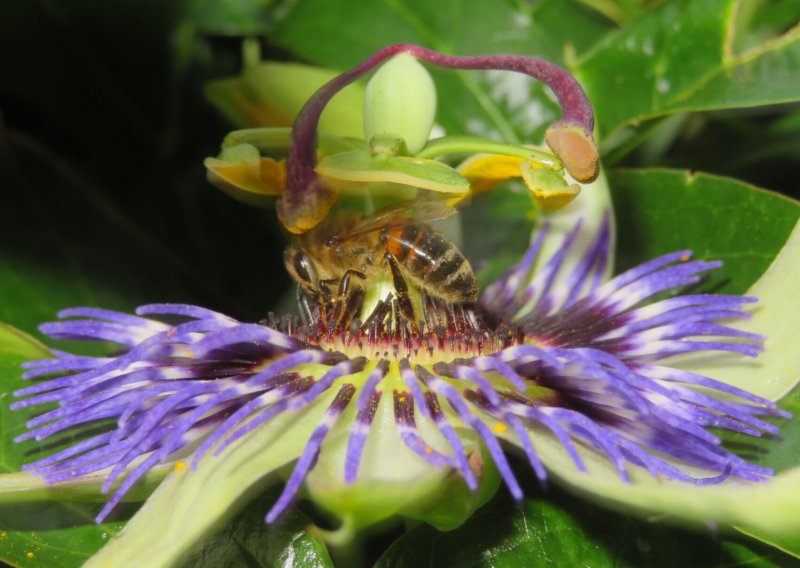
(401,102)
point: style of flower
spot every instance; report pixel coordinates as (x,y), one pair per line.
(553,351)
(396,154)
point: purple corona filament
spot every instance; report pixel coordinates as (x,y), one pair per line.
(583,364)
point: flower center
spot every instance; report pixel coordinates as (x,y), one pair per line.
(441,332)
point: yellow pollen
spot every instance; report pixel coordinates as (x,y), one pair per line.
(30,554)
(428,450)
(500,427)
(685,258)
(180,466)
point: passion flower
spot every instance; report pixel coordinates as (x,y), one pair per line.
(378,409)
(578,361)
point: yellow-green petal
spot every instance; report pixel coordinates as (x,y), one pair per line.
(486,171)
(549,189)
(768,510)
(241,172)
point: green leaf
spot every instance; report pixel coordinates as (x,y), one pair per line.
(495,104)
(247,541)
(681,57)
(661,211)
(557,530)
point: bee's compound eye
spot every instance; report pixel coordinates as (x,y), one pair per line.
(303,268)
(299,265)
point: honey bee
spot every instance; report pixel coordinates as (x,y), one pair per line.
(332,264)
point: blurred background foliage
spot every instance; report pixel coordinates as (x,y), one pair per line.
(103,198)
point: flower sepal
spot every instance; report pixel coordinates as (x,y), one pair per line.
(196,498)
(28,486)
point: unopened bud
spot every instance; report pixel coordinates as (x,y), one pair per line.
(401,102)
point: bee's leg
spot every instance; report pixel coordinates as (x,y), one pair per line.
(309,306)
(325,300)
(401,289)
(324,287)
(349,297)
(344,283)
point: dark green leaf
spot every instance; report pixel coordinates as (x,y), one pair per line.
(781,452)
(558,530)
(660,211)
(248,541)
(682,56)
(233,17)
